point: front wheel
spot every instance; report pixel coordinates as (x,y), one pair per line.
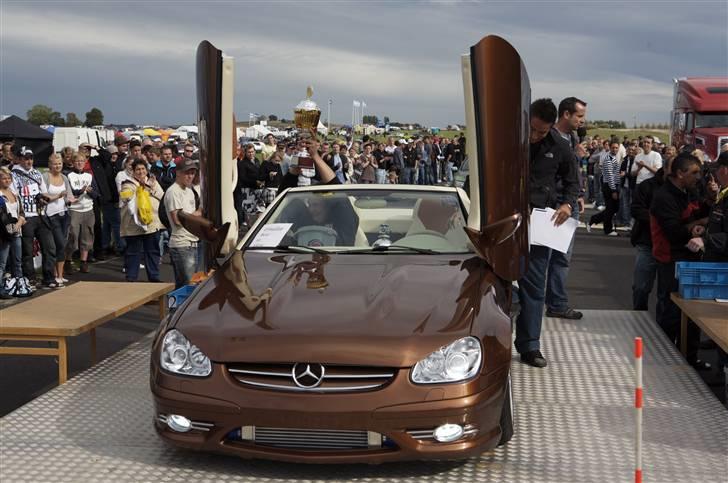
(506,419)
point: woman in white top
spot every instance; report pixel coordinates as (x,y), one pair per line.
(10,209)
(59,194)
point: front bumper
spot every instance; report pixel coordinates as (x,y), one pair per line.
(477,406)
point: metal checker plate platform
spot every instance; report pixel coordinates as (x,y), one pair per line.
(574,422)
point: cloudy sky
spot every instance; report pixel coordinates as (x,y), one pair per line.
(135,59)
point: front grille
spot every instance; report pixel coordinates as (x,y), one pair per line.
(336,378)
(308,439)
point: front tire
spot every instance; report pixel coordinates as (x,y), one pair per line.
(506,419)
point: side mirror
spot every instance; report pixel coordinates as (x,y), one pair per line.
(205,230)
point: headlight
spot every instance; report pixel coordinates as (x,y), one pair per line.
(181,357)
(456,362)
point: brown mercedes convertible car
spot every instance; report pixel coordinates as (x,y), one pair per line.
(355,323)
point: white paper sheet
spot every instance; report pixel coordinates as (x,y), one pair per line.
(271,235)
(543,232)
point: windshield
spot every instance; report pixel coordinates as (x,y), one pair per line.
(365,220)
(713,119)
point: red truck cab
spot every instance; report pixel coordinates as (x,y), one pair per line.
(700,113)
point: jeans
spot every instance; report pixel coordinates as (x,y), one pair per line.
(624,216)
(645,270)
(201,257)
(11,258)
(10,251)
(531,295)
(163,241)
(110,227)
(557,300)
(35,228)
(668,314)
(380,175)
(134,245)
(59,228)
(419,175)
(407,174)
(184,263)
(448,172)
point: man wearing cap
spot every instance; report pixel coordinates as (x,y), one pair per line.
(122,144)
(182,244)
(28,183)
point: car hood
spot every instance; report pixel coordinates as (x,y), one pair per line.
(381,309)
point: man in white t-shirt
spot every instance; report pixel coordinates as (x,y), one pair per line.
(648,163)
(182,244)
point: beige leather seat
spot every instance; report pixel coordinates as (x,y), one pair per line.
(431,227)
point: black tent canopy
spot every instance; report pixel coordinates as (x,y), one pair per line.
(29,135)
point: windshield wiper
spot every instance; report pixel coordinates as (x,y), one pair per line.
(292,248)
(393,248)
(402,248)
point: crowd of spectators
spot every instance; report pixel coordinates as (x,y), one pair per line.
(423,160)
(93,203)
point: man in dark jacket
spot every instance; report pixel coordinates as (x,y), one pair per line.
(106,203)
(247,181)
(627,186)
(645,265)
(676,216)
(164,169)
(571,117)
(550,160)
(714,242)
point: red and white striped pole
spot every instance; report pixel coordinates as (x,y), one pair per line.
(638,409)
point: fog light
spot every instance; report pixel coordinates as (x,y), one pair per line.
(179,423)
(448,433)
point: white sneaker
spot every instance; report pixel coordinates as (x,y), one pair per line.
(601,207)
(613,233)
(588,227)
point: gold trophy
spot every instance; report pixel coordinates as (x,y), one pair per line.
(306,116)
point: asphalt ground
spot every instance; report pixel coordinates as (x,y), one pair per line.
(600,278)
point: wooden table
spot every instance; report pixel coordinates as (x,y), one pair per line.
(709,315)
(73,310)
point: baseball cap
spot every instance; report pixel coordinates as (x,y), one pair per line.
(187,164)
(26,152)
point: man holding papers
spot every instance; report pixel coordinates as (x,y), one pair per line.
(550,159)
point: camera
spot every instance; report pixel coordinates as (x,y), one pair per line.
(41,200)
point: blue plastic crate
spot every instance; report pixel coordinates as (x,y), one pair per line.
(707,292)
(176,297)
(701,273)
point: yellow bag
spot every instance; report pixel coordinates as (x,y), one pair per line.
(144,206)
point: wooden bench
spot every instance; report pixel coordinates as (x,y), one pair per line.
(709,315)
(78,308)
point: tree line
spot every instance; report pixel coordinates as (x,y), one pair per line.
(600,124)
(42,114)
